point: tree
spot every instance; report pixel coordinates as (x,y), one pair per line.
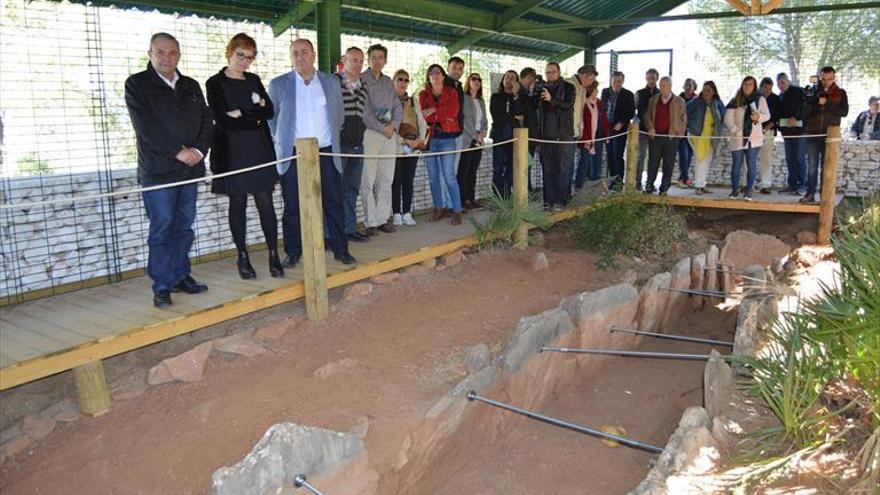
(849,40)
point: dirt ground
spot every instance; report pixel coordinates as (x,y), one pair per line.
(392,354)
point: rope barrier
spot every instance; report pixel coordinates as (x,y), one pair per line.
(691,136)
(584,141)
(419,153)
(207,178)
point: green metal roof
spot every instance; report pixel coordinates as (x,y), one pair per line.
(522,27)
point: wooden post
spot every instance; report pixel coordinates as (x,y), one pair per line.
(632,156)
(311,217)
(829,184)
(521,182)
(91,388)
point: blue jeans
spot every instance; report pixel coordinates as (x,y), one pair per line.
(352,169)
(442,169)
(589,166)
(815,159)
(502,169)
(751,158)
(685,155)
(171,212)
(796,162)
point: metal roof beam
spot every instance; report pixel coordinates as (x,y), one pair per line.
(458,16)
(465,42)
(513,13)
(292,16)
(566,54)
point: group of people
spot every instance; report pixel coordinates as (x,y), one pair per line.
(370,130)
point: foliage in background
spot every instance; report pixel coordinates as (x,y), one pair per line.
(505,217)
(804,42)
(31,164)
(631,228)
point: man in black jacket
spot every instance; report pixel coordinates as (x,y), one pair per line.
(557,124)
(791,125)
(643,96)
(174,128)
(620,107)
(824,108)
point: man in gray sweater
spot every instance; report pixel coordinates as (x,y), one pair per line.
(382,115)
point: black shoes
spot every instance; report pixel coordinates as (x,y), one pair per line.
(345,258)
(765,190)
(162,299)
(290,261)
(357,237)
(190,286)
(275,267)
(808,198)
(245,269)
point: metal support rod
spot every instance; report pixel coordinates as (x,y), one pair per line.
(643,354)
(302,482)
(672,336)
(695,292)
(472,396)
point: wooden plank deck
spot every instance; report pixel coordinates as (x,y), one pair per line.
(718,199)
(46,336)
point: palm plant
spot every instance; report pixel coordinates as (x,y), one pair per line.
(505,216)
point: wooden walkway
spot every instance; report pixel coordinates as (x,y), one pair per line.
(46,336)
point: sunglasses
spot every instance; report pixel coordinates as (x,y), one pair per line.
(400,79)
(476,79)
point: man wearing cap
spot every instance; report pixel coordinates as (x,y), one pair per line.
(583,79)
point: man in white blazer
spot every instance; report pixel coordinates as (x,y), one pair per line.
(308,103)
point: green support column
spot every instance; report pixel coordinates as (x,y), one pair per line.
(589,55)
(328,22)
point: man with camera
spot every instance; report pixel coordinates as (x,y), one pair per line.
(826,104)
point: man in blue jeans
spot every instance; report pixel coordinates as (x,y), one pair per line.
(826,104)
(791,126)
(174,128)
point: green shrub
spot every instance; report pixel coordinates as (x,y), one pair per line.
(628,227)
(505,217)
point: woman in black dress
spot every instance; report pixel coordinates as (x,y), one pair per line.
(241,139)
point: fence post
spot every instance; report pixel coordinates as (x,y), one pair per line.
(311,216)
(829,184)
(521,182)
(91,388)
(632,156)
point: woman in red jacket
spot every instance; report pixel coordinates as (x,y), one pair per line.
(596,127)
(441,107)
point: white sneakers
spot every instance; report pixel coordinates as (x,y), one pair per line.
(408,219)
(396,219)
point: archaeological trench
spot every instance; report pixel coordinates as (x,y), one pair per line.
(522,375)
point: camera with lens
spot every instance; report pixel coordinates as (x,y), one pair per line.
(539,85)
(813,91)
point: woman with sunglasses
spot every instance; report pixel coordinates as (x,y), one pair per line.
(475,126)
(442,110)
(241,107)
(508,111)
(410,138)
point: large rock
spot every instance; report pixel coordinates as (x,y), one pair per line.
(698,274)
(718,385)
(590,306)
(286,450)
(239,344)
(532,333)
(186,367)
(677,302)
(652,302)
(743,248)
(711,279)
(691,452)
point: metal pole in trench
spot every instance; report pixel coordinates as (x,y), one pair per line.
(643,354)
(302,482)
(672,336)
(472,396)
(706,293)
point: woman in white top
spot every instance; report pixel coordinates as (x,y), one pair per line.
(410,138)
(475,126)
(742,123)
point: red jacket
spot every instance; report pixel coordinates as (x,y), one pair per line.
(444,122)
(588,121)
